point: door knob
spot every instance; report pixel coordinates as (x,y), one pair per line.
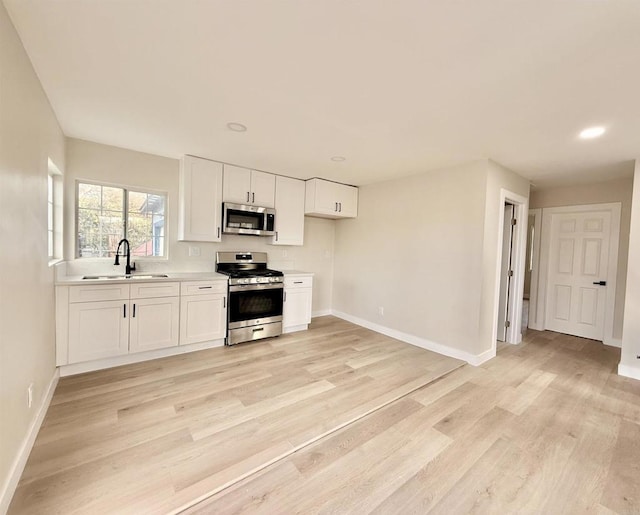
(600,283)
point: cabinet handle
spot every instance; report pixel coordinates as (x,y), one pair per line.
(340,206)
(205,287)
(253,198)
(276,235)
(247,197)
(124,314)
(218,232)
(134,311)
(336,209)
(284,298)
(297,282)
(224,302)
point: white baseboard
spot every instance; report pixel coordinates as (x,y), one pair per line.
(321,313)
(21,458)
(627,371)
(613,342)
(472,359)
(127,359)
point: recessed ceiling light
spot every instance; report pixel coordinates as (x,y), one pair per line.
(236,127)
(338,158)
(592,132)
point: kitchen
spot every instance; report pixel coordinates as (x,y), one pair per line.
(355,262)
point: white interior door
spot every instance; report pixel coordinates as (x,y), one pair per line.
(578,268)
(505,272)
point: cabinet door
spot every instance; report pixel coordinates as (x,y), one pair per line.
(200,200)
(289,211)
(154,323)
(347,197)
(98,330)
(203,318)
(236,185)
(296,309)
(263,189)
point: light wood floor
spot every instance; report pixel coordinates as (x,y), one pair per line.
(155,437)
(546,427)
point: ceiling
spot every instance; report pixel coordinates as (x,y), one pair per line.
(397,87)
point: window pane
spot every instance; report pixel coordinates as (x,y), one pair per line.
(112,198)
(89,196)
(145,225)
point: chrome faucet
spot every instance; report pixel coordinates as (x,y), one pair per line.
(128,268)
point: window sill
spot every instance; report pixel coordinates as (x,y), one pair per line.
(55,261)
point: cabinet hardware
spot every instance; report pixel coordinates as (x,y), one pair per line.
(134,311)
(259,329)
(340,206)
(284,297)
(218,232)
(247,196)
(297,282)
(253,198)
(124,314)
(205,287)
(224,302)
(276,235)
(336,209)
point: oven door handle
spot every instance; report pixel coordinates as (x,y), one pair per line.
(254,287)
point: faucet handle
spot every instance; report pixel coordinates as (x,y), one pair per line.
(133,267)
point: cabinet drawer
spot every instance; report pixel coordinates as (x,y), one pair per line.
(96,293)
(154,290)
(298,282)
(203,287)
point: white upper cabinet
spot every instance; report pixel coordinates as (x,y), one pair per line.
(289,211)
(200,202)
(244,186)
(328,199)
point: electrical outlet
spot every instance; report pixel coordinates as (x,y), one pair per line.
(30,395)
(194,251)
(381,311)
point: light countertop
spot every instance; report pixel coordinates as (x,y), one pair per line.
(72,280)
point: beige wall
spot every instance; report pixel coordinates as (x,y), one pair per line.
(415,251)
(96,162)
(619,190)
(29,135)
(630,363)
(424,248)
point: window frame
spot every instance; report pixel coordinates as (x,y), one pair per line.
(125,213)
(55,218)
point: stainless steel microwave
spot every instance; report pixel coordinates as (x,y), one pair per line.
(244,219)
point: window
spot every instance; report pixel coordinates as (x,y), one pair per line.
(106,214)
(54,212)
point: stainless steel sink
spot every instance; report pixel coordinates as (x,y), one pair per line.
(130,276)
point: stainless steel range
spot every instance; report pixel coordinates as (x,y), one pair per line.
(255,296)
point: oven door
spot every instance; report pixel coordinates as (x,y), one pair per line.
(254,304)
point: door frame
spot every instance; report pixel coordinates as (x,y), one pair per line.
(534,321)
(612,269)
(518,256)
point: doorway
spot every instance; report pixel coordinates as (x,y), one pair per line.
(506,271)
(510,263)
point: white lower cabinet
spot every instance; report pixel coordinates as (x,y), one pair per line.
(113,320)
(98,330)
(154,323)
(203,311)
(296,309)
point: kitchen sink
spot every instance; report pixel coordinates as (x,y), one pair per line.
(130,276)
